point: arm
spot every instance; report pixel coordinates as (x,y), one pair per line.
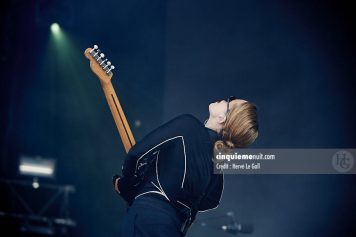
(214,193)
(137,162)
(143,150)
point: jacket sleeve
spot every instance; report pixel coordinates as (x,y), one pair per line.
(143,151)
(213,194)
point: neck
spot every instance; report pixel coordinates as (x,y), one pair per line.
(213,125)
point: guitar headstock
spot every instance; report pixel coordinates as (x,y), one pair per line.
(101,67)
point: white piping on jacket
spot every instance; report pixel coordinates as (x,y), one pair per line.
(150,192)
(161,191)
(219,198)
(185,156)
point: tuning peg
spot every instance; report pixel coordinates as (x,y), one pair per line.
(107,64)
(94,48)
(103,61)
(111,68)
(97,52)
(100,57)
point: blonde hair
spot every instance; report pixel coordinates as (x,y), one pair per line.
(240,128)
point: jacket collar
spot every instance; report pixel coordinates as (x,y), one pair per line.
(214,136)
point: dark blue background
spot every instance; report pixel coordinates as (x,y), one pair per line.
(295,60)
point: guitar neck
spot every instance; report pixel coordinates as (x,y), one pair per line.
(119,116)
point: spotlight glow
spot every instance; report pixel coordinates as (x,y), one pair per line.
(55,28)
(35,184)
(34,169)
(36,166)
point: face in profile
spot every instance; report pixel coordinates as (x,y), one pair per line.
(219,108)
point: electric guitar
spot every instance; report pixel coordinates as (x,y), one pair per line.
(103,69)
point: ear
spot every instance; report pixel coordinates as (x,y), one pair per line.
(221,118)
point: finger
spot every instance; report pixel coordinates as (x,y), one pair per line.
(117,185)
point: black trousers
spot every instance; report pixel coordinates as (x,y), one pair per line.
(151,217)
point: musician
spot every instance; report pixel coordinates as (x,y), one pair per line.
(167,177)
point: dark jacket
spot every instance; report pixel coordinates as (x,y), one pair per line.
(174,162)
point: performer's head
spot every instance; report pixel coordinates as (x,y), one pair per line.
(235,120)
